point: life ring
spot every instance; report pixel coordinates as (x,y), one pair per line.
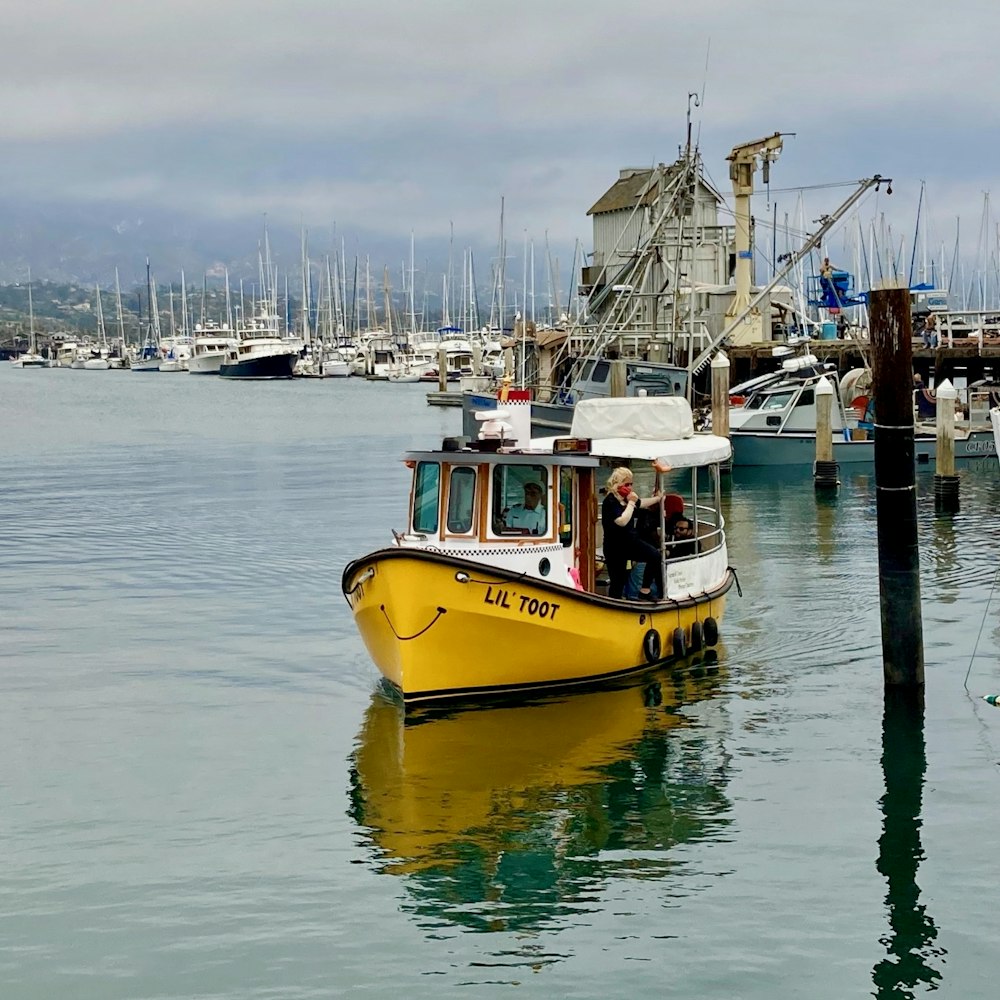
(680,645)
(651,646)
(697,637)
(710,630)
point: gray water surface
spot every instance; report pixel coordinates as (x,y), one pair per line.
(204,795)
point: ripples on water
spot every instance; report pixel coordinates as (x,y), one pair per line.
(206,794)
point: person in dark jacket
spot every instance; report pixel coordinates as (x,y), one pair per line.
(620,520)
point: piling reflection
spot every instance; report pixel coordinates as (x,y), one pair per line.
(943,556)
(910,942)
(827,502)
(506,818)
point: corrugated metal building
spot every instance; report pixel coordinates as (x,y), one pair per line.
(656,230)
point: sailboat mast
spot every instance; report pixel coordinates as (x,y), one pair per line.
(31,319)
(100,318)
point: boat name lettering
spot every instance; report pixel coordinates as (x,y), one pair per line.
(499,598)
(529,605)
(980,447)
(543,609)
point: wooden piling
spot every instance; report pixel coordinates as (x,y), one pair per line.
(720,395)
(895,488)
(945,480)
(442,370)
(619,377)
(825,470)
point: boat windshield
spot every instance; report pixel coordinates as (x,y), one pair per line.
(520,494)
(770,400)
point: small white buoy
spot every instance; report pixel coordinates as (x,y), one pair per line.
(992,699)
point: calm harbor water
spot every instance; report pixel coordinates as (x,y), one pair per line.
(203,794)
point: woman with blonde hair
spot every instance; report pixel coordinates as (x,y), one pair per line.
(620,520)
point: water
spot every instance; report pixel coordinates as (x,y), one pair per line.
(203,795)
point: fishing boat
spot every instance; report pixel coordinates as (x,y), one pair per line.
(463,606)
(639,378)
(775,421)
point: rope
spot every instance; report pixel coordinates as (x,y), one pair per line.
(982,625)
(407,638)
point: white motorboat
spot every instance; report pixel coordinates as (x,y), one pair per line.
(211,342)
(29,360)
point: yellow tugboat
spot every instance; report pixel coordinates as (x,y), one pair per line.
(496,584)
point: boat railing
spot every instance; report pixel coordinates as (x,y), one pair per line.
(709,527)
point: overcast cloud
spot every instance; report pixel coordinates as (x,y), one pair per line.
(390,117)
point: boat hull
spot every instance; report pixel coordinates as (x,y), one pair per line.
(268,366)
(442,627)
(206,364)
(751,449)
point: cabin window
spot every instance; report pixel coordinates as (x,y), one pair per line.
(461,500)
(566,507)
(426,491)
(520,500)
(807,398)
(601,371)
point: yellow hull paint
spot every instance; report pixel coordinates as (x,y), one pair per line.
(442,627)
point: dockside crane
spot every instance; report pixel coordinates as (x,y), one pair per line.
(743,162)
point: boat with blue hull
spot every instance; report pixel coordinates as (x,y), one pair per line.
(259,351)
(775,425)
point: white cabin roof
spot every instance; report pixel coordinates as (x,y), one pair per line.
(651,427)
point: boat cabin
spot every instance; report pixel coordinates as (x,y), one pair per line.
(788,406)
(535,509)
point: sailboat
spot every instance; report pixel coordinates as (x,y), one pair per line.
(119,357)
(32,359)
(99,360)
(149,357)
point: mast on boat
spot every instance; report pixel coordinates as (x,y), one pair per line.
(31,320)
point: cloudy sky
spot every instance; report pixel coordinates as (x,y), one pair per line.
(385,117)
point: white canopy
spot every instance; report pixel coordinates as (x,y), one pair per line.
(648,427)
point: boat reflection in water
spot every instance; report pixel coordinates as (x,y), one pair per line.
(506,818)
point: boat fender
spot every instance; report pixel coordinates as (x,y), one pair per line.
(680,646)
(651,646)
(710,630)
(697,637)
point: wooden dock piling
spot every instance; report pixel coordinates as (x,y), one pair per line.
(895,489)
(825,469)
(945,479)
(720,395)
